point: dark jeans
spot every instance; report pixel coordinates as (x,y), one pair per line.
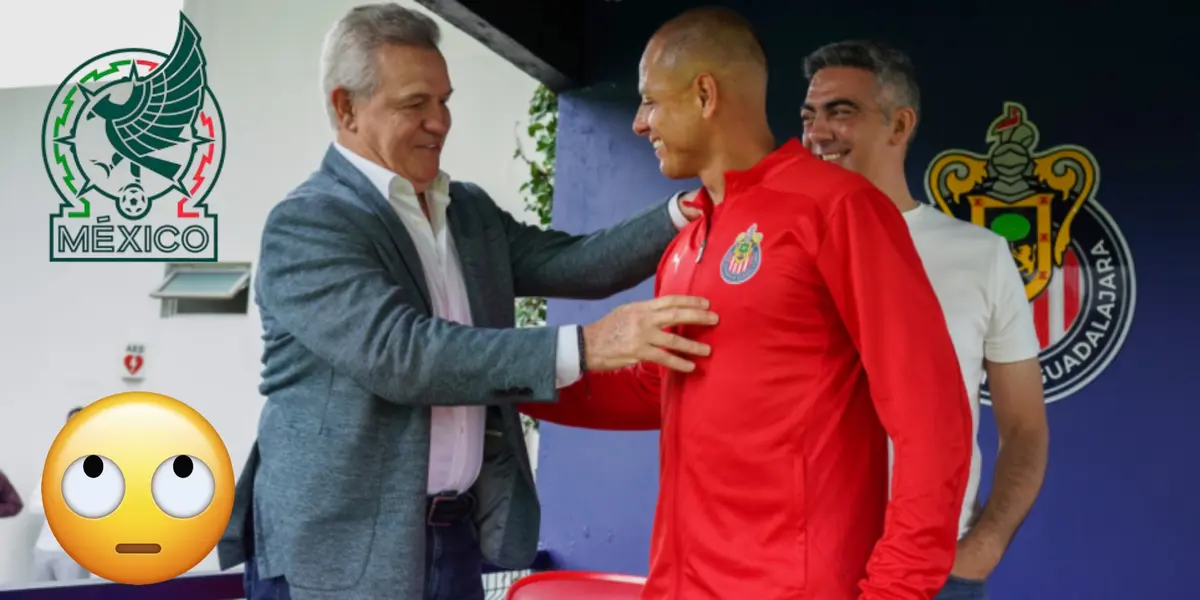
(957,588)
(453,567)
(453,564)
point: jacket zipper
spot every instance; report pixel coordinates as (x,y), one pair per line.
(680,559)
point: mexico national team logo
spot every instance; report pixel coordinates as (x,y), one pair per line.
(1077,267)
(133,142)
(744,257)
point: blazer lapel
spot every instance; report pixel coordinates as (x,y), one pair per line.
(337,164)
(469,242)
(406,248)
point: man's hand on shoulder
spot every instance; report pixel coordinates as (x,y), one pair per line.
(687,205)
(684,209)
(637,332)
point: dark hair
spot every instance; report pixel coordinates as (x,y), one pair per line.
(71,413)
(893,68)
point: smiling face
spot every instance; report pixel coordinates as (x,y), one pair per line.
(405,122)
(845,123)
(671,116)
(138,488)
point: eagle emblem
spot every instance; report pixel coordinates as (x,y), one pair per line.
(145,115)
(124,130)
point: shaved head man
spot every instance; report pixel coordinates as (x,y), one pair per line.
(703,81)
(773,475)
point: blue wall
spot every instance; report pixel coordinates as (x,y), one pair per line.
(1117,516)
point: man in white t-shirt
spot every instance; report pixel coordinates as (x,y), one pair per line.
(861,112)
(50,561)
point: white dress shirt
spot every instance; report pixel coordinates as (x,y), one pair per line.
(456,432)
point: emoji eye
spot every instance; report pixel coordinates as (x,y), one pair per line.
(93,487)
(182,486)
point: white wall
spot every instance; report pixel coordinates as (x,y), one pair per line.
(63,326)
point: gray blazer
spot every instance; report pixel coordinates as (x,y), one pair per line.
(334,493)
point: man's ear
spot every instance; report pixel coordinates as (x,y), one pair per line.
(705,86)
(904,122)
(343,105)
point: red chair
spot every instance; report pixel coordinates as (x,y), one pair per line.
(576,585)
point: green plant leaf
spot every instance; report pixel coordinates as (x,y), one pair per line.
(538,189)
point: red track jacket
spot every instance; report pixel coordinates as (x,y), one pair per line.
(773,453)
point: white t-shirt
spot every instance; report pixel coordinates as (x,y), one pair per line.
(983,297)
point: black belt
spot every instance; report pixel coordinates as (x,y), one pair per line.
(448,508)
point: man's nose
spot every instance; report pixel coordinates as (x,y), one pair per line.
(817,131)
(437,125)
(640,125)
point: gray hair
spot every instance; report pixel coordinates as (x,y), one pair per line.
(892,68)
(350,57)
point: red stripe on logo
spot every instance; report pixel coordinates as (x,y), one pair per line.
(1041,317)
(1071,288)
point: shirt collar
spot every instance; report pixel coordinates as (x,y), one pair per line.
(738,181)
(394,187)
(765,168)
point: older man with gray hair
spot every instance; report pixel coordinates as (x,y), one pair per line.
(390,461)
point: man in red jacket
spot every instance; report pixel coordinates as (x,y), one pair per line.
(774,457)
